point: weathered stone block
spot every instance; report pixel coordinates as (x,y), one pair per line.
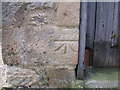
(1,60)
(21,77)
(12,14)
(40,46)
(3,70)
(41,17)
(15,14)
(39,5)
(60,77)
(67,14)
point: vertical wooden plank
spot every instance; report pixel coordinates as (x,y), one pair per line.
(99,35)
(104,27)
(90,28)
(110,30)
(114,53)
(90,25)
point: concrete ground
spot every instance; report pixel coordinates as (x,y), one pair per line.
(102,77)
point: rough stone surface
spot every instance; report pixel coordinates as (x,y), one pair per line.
(21,77)
(12,14)
(15,14)
(2,66)
(1,60)
(39,5)
(60,77)
(37,35)
(67,14)
(2,75)
(36,46)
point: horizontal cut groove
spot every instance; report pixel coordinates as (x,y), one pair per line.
(66,41)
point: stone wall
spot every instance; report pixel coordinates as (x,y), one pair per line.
(40,43)
(2,66)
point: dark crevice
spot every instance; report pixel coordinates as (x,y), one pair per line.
(78,41)
(94,34)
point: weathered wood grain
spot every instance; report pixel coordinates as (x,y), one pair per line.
(118,31)
(90,24)
(106,25)
(114,53)
(90,28)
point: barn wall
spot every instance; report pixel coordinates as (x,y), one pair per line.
(40,43)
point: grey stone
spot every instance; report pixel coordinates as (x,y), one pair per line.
(41,17)
(17,76)
(39,5)
(12,14)
(3,68)
(1,60)
(67,14)
(60,77)
(3,77)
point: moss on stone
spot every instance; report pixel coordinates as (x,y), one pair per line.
(78,84)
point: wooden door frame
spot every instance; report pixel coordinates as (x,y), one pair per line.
(84,25)
(82,39)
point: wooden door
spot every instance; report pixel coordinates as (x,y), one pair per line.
(103,33)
